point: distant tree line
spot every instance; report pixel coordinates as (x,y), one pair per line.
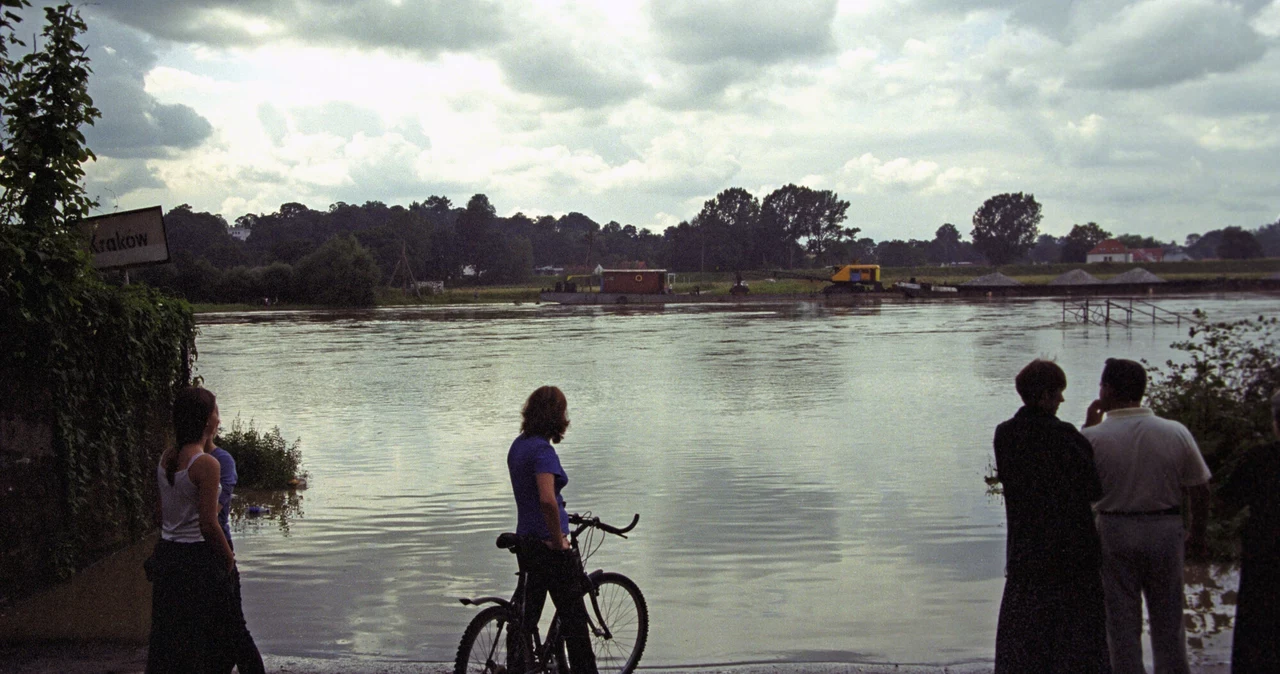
(341,255)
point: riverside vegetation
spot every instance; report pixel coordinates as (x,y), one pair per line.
(349,254)
(1222,394)
(99,362)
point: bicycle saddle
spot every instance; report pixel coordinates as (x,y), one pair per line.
(508,541)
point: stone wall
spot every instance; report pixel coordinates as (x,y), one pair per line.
(33,509)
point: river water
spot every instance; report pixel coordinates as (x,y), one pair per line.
(809,478)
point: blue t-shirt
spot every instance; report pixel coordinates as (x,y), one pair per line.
(228,480)
(530,455)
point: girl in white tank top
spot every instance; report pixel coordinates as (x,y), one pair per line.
(180,505)
(193,606)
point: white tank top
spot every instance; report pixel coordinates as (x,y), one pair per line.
(180,506)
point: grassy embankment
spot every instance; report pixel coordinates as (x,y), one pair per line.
(761,282)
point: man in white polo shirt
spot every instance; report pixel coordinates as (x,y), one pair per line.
(1146,465)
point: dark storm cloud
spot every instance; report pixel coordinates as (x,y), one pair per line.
(1256,91)
(121,178)
(339,118)
(756,31)
(698,86)
(133,122)
(1165,42)
(555,69)
(427,27)
(1131,44)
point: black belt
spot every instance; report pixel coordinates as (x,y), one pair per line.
(1176,510)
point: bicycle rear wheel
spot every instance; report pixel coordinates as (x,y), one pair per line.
(624,617)
(484,645)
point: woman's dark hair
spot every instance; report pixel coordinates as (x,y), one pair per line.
(1038,378)
(191,409)
(544,414)
(1126,378)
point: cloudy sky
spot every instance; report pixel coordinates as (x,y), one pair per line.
(1154,117)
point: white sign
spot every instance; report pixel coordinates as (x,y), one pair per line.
(127,239)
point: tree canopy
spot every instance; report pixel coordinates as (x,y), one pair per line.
(1238,244)
(1082,239)
(1005,227)
(434,240)
(339,273)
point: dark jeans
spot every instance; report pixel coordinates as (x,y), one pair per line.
(560,574)
(247,658)
(191,609)
(197,624)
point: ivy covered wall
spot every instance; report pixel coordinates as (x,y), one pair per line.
(87,369)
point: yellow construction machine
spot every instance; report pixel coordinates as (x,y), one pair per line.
(849,278)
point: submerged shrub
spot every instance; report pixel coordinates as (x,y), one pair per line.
(263,460)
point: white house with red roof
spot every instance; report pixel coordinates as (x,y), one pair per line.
(1112,250)
(1109,251)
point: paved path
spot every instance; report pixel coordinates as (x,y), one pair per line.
(99,658)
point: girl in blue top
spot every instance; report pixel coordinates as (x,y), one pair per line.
(553,567)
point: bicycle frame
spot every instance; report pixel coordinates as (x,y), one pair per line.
(544,653)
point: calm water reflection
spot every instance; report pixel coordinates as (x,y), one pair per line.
(809,479)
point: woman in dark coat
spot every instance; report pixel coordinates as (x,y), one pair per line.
(1256,483)
(1052,616)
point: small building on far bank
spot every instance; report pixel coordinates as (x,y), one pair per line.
(1109,251)
(1112,250)
(640,281)
(1147,254)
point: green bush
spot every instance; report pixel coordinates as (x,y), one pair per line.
(339,273)
(263,460)
(1222,394)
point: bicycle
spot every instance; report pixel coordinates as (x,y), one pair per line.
(497,641)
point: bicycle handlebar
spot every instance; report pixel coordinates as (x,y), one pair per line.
(587,522)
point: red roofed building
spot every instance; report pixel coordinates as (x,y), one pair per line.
(1109,251)
(1148,254)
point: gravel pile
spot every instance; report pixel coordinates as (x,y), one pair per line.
(1075,277)
(1136,275)
(996,279)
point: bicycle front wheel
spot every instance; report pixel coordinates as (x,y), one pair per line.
(619,623)
(484,646)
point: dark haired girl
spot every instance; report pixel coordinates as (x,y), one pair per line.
(190,570)
(536,480)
